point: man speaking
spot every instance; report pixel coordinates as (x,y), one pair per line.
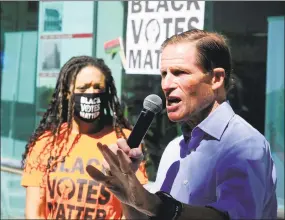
(220,168)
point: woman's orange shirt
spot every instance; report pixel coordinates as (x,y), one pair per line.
(70,193)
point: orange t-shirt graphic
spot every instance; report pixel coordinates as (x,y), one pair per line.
(70,192)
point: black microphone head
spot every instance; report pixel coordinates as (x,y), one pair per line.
(153,103)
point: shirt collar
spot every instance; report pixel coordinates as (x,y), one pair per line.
(216,123)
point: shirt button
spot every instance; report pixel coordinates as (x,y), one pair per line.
(185,182)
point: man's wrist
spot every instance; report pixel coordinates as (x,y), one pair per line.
(167,208)
(151,205)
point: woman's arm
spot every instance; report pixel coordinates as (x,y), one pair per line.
(35,205)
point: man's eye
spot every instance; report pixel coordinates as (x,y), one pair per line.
(178,72)
(163,73)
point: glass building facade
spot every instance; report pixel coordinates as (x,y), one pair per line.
(37,38)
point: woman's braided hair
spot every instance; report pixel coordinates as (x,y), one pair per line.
(61,108)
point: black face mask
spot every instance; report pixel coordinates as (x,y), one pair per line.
(89,107)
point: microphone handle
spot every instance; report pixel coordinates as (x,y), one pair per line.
(140,128)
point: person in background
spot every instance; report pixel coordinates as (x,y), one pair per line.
(221,167)
(84,110)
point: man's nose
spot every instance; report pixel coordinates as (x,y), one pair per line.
(167,82)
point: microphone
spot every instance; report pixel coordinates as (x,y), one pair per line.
(152,104)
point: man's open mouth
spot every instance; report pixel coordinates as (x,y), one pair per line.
(173,101)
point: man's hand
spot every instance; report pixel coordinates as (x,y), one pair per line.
(123,183)
(121,178)
(135,154)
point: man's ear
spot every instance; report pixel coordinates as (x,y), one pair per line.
(218,78)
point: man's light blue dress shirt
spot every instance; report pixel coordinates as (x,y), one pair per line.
(225,164)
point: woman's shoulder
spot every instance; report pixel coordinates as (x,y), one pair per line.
(109,133)
(40,142)
(46,135)
(110,130)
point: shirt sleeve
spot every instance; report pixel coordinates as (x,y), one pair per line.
(33,171)
(244,177)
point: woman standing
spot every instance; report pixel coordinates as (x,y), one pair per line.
(84,110)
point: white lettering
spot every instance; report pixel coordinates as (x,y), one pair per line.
(89,115)
(90,108)
(85,100)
